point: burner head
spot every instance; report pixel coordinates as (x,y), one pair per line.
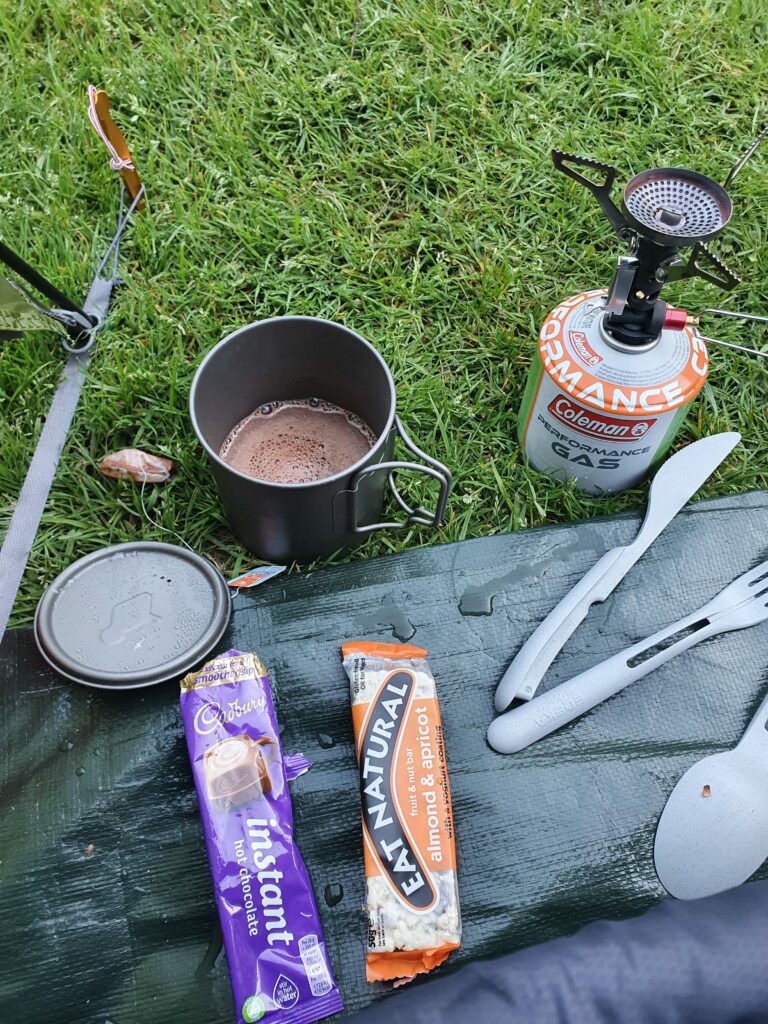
(674,207)
(663,210)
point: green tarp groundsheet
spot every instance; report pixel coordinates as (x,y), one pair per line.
(105,897)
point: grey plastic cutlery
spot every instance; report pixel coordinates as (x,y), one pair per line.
(741,604)
(675,483)
(713,832)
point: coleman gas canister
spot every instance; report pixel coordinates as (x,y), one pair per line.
(601,412)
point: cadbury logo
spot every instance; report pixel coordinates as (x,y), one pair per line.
(593,424)
(211,714)
(389,838)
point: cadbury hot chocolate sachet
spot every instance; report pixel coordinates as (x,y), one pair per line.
(278,963)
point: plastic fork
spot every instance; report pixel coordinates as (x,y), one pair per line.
(741,604)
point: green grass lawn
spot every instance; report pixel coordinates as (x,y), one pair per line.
(384,164)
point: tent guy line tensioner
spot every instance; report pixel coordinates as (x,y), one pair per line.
(81,322)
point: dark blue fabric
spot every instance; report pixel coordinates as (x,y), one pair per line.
(698,962)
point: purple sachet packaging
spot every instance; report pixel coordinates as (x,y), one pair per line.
(278,963)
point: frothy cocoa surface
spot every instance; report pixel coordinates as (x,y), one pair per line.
(297,441)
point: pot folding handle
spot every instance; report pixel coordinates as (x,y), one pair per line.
(414,516)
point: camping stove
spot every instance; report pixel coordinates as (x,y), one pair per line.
(617,369)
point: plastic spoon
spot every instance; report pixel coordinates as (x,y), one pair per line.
(713,832)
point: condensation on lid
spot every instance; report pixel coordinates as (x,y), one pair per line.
(132,615)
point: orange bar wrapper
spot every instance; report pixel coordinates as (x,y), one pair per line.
(412,896)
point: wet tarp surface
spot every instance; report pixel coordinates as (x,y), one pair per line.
(105,898)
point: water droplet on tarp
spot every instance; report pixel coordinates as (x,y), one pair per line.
(80,771)
(66,745)
(333,894)
(478,600)
(326,741)
(389,614)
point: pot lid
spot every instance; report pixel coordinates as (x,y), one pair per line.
(132,615)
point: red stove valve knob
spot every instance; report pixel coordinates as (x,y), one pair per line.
(675,319)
